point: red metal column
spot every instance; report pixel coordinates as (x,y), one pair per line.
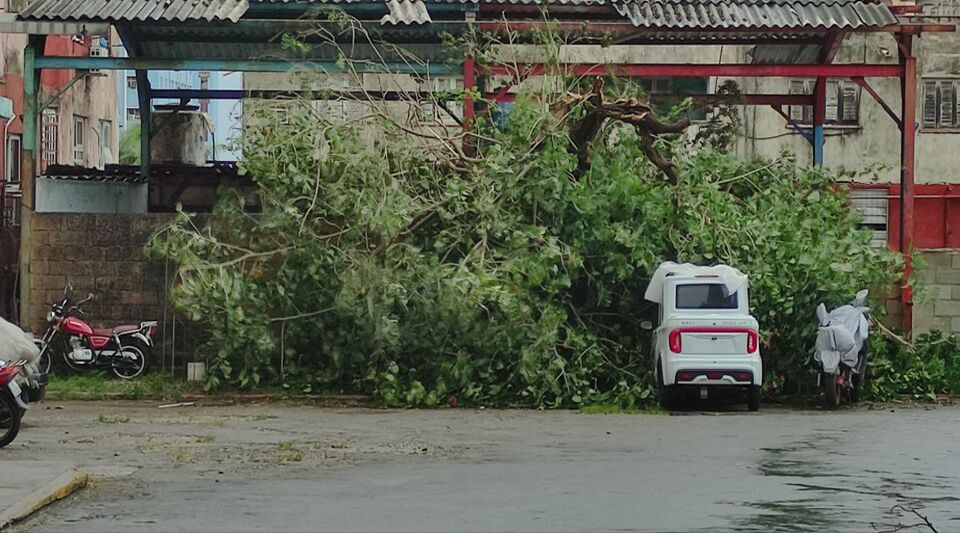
(469,84)
(908,89)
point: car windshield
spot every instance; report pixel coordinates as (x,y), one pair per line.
(705,296)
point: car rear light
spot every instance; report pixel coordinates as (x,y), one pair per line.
(675,345)
(743,376)
(685,376)
(752,341)
(153,332)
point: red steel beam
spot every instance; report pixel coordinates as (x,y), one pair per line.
(866,86)
(700,70)
(830,47)
(908,87)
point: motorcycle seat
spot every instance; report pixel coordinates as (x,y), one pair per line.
(107,332)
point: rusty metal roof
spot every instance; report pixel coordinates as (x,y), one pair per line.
(136,10)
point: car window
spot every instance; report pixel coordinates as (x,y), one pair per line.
(705,296)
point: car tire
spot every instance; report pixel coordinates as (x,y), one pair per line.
(668,394)
(753,398)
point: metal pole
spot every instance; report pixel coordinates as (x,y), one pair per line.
(28,161)
(146,121)
(908,116)
(819,114)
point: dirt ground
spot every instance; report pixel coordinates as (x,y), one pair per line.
(282,467)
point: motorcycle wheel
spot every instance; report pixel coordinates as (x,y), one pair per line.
(137,365)
(831,390)
(9,419)
(45,364)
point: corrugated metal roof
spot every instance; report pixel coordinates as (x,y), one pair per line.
(713,14)
(406,12)
(136,10)
(684,14)
(661,14)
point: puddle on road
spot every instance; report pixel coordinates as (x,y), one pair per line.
(833,492)
(799,515)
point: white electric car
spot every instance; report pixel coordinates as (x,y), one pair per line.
(705,337)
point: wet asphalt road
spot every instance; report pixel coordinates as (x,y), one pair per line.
(778,470)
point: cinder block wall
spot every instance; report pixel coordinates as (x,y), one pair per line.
(938,305)
(103,254)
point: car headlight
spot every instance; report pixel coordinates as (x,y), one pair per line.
(51,317)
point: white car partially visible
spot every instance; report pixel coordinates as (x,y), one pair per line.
(705,337)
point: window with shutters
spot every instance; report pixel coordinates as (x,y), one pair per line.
(872,205)
(941,105)
(49,136)
(843,103)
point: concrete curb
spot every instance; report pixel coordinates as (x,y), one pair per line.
(61,487)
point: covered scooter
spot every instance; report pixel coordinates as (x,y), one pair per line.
(841,349)
(20,381)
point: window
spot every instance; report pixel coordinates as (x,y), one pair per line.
(11,209)
(79,140)
(49,136)
(105,139)
(436,111)
(133,114)
(843,102)
(872,205)
(132,82)
(13,159)
(941,108)
(676,87)
(705,296)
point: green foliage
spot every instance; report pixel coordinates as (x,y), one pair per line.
(130,145)
(382,263)
(929,368)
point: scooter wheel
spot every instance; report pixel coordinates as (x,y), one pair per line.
(831,390)
(9,419)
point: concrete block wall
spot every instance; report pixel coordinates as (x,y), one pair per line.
(103,254)
(938,305)
(98,254)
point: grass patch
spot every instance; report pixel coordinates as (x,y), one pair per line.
(104,419)
(287,453)
(205,439)
(98,386)
(605,409)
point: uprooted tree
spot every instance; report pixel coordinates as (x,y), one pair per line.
(393,254)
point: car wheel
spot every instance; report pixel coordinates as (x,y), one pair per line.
(753,398)
(668,394)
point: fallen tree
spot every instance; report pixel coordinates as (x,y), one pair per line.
(387,259)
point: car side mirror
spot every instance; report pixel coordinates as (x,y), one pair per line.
(646,325)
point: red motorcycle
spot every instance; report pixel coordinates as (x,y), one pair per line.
(125,349)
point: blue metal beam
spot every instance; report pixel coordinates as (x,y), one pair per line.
(215,65)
